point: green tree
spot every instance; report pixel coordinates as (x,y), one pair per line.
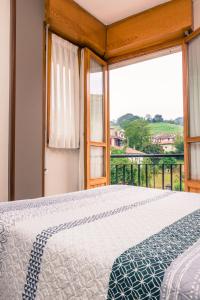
(179,121)
(148,118)
(126,119)
(157,119)
(179,144)
(146,161)
(167,161)
(119,162)
(153,149)
(138,134)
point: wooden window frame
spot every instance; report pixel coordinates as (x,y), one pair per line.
(182,42)
(95,182)
(49,47)
(190,185)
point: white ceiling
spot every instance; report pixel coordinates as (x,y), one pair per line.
(110,11)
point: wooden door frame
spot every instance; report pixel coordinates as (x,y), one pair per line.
(193,185)
(12,101)
(185,112)
(88,143)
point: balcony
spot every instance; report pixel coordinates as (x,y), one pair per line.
(164,171)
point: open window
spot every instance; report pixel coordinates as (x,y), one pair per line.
(96,121)
(191,72)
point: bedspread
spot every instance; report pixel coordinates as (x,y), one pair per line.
(115,242)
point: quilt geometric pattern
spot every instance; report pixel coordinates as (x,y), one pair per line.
(138,272)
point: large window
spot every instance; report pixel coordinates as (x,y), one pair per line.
(146,105)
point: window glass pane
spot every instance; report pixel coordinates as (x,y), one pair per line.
(96,102)
(195,161)
(96,162)
(194,87)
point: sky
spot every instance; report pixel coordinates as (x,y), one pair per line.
(150,87)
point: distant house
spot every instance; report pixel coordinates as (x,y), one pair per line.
(166,141)
(138,160)
(128,150)
(117,136)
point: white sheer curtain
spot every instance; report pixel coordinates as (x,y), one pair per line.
(194,105)
(64,101)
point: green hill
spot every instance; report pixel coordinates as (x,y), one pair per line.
(165,128)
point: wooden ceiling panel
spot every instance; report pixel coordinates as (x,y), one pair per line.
(160,24)
(72,22)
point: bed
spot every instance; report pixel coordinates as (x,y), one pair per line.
(116,242)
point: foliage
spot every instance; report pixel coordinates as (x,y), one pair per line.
(176,185)
(117,151)
(165,128)
(179,144)
(157,118)
(148,118)
(179,121)
(153,149)
(125,119)
(118,165)
(138,134)
(119,162)
(167,161)
(169,121)
(146,161)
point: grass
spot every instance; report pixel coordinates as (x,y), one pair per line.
(158,180)
(165,128)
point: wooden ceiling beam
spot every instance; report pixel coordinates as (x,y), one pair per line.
(145,51)
(153,29)
(161,24)
(72,22)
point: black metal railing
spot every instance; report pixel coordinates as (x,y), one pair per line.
(148,170)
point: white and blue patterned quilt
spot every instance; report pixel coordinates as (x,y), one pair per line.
(116,242)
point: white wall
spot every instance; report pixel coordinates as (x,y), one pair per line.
(196,12)
(62,171)
(4,96)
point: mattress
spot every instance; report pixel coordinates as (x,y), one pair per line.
(115,242)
